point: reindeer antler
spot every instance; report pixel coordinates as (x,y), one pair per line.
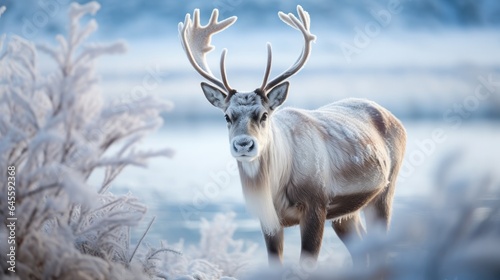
(196,40)
(303,25)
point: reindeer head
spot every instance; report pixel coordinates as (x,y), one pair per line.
(248,114)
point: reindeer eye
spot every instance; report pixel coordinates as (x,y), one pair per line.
(228,120)
(264,117)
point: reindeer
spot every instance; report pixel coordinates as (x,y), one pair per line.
(302,167)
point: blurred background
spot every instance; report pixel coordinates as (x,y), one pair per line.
(434,63)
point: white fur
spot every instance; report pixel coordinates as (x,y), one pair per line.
(336,150)
(251,168)
(299,154)
(260,203)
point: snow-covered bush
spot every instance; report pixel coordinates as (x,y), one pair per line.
(218,246)
(217,256)
(56,131)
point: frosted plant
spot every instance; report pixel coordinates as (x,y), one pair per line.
(218,246)
(57,131)
(217,256)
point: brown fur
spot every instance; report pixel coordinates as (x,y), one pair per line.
(307,204)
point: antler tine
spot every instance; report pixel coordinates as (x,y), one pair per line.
(196,18)
(304,17)
(223,71)
(195,40)
(303,25)
(268,66)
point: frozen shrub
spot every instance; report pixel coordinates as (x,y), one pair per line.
(217,256)
(56,130)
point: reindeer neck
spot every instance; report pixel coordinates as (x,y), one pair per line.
(273,163)
(259,180)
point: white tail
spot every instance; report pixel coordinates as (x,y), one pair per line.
(301,166)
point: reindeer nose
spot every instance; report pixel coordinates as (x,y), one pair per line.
(243,145)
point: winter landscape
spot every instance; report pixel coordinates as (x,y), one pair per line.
(116,167)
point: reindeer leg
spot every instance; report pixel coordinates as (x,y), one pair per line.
(274,244)
(351,231)
(311,231)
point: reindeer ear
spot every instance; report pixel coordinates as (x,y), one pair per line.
(214,95)
(278,95)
